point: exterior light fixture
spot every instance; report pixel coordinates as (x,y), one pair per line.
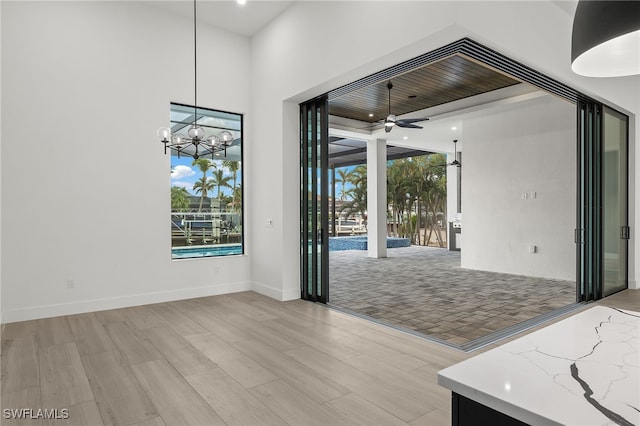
(195,143)
(605,40)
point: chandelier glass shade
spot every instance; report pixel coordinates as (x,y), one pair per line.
(195,142)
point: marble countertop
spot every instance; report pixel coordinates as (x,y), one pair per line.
(580,371)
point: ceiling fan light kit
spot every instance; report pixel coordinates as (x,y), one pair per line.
(392,121)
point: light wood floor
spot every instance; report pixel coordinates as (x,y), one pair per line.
(240,359)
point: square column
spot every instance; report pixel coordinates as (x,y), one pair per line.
(377,198)
(453,201)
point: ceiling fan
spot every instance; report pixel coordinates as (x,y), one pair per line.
(455,161)
(391,120)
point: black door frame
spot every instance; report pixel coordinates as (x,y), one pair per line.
(314,200)
(589,250)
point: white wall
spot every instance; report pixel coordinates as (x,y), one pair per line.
(85,85)
(85,183)
(1,244)
(291,63)
(524,148)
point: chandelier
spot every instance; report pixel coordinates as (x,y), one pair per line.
(195,143)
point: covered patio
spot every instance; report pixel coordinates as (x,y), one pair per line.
(423,290)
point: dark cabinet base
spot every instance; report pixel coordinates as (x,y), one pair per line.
(467,412)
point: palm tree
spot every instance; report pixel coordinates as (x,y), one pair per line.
(435,192)
(344,176)
(204,164)
(237,198)
(220,181)
(203,186)
(233,167)
(401,175)
(179,198)
(357,202)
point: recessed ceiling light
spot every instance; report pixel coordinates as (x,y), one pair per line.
(241,2)
(405,138)
(454,128)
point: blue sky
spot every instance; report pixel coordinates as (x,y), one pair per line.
(183,174)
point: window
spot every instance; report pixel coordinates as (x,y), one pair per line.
(206,192)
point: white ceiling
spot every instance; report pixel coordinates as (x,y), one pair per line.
(228,15)
(248,19)
(447,122)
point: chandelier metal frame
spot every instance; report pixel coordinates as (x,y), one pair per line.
(195,138)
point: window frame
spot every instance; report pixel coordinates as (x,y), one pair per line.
(205,250)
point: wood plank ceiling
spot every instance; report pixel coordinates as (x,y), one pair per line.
(449,79)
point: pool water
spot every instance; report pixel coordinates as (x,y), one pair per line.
(206,251)
(360,243)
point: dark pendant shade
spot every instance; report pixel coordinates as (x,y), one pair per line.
(606,38)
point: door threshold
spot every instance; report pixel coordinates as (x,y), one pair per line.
(480,342)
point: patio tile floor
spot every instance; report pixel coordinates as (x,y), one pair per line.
(425,290)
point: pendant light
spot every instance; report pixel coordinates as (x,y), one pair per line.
(605,40)
(195,143)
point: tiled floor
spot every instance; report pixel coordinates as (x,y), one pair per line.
(425,290)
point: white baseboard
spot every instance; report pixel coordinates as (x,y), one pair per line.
(79,307)
(291,294)
(634,285)
(275,293)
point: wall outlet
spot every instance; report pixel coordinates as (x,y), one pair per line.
(533,249)
(269,223)
(71,284)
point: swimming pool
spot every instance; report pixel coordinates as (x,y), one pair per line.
(360,243)
(205,251)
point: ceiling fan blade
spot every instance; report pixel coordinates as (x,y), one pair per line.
(391,118)
(413,120)
(407,125)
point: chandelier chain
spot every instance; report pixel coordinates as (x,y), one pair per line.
(196,142)
(195,65)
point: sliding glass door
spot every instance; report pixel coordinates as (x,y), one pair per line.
(602,235)
(588,221)
(314,200)
(602,230)
(614,201)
